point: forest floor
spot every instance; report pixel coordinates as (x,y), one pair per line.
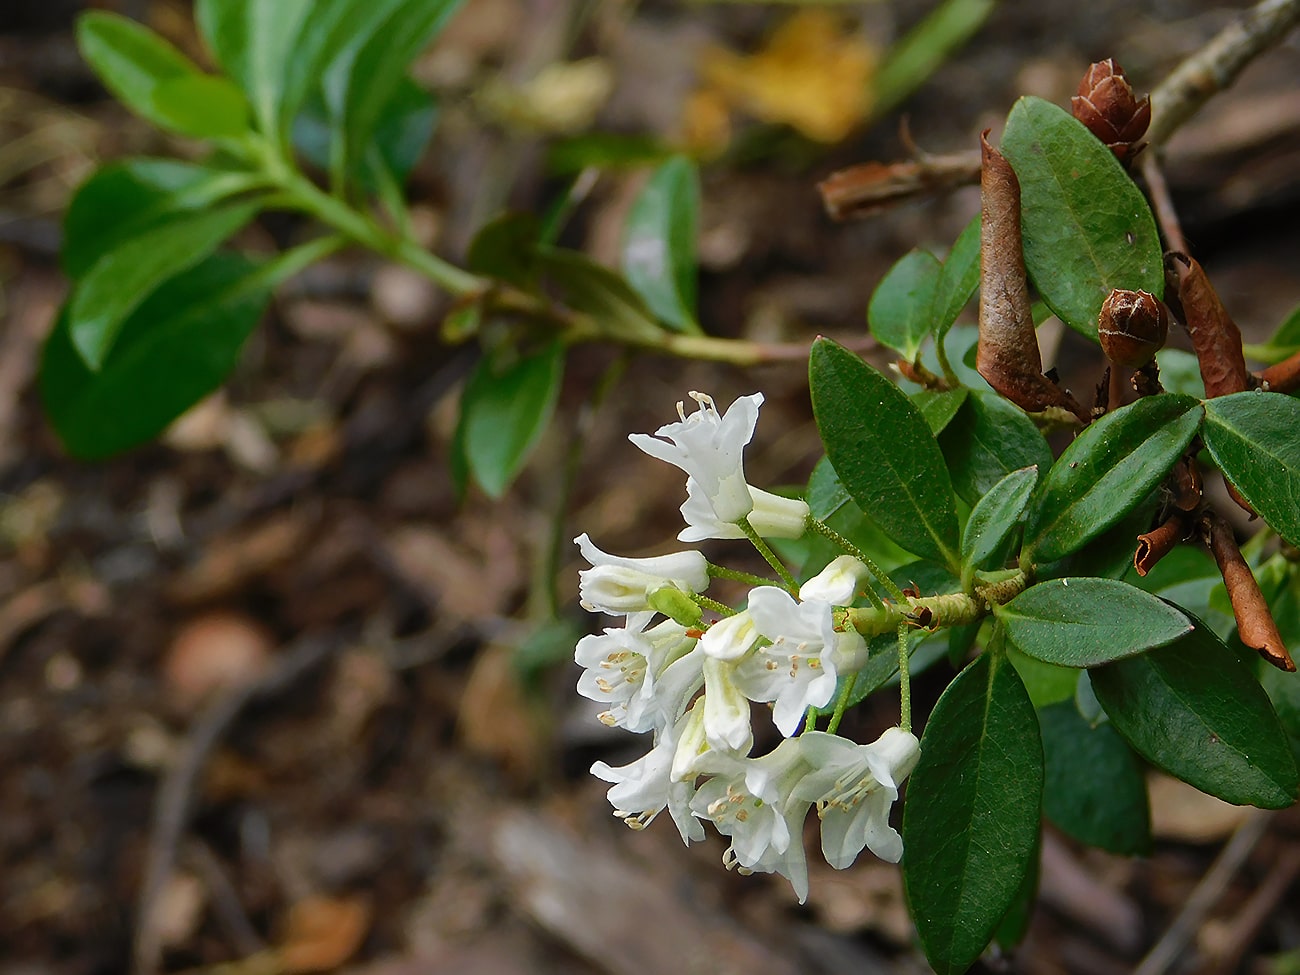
(391,773)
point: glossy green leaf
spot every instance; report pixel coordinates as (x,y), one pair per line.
(1093,789)
(123,277)
(970,823)
(899,313)
(1045,683)
(1084,622)
(1108,470)
(504,409)
(156,81)
(938,407)
(987,440)
(1013,927)
(1253,438)
(1087,228)
(992,522)
(1110,554)
(1194,709)
(829,501)
(883,452)
(958,279)
(595,289)
(174,349)
(659,243)
(123,199)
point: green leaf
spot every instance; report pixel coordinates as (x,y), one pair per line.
(1108,470)
(1252,437)
(604,150)
(1194,709)
(1084,622)
(1046,683)
(899,312)
(174,349)
(829,501)
(1087,228)
(992,522)
(223,25)
(593,288)
(123,277)
(272,28)
(987,440)
(1110,554)
(970,824)
(1093,789)
(883,452)
(156,81)
(506,248)
(504,410)
(1283,343)
(938,407)
(659,243)
(958,279)
(123,199)
(1013,927)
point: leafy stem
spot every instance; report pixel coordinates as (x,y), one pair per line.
(826,531)
(765,550)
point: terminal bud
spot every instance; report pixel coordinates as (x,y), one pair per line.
(1132,327)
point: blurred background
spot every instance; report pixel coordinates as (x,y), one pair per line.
(272,699)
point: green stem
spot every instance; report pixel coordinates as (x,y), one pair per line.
(904,681)
(841,705)
(722,609)
(735,575)
(931,612)
(840,541)
(764,550)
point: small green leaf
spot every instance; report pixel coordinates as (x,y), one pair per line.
(899,313)
(1093,789)
(122,278)
(970,824)
(504,410)
(883,452)
(604,150)
(156,81)
(939,406)
(223,25)
(1046,683)
(595,289)
(506,248)
(173,350)
(987,440)
(1252,437)
(272,29)
(1115,463)
(1194,709)
(958,279)
(123,199)
(1084,622)
(1283,343)
(659,243)
(1087,228)
(985,540)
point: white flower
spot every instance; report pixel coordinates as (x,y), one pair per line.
(645,678)
(773,516)
(620,585)
(644,788)
(838,583)
(726,709)
(754,805)
(730,637)
(695,756)
(799,668)
(854,786)
(709,447)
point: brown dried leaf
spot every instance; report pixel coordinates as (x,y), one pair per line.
(1215,336)
(323,932)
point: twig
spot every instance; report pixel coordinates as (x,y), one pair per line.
(1245,925)
(174,801)
(1163,204)
(1180,933)
(1216,65)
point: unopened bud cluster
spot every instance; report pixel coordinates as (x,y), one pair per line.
(1132,327)
(1107,106)
(690,679)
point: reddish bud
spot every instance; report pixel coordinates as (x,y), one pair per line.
(1132,327)
(1107,106)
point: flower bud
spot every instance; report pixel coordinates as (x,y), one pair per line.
(1132,327)
(1107,106)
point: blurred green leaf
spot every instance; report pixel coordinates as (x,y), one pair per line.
(659,243)
(174,349)
(156,81)
(504,410)
(123,277)
(604,294)
(1283,343)
(883,452)
(506,249)
(1087,227)
(970,823)
(604,150)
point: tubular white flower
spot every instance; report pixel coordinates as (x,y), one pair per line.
(644,788)
(773,516)
(854,787)
(726,709)
(754,805)
(838,583)
(709,446)
(617,585)
(800,666)
(645,678)
(730,637)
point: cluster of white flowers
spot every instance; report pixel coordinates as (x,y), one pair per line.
(692,687)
